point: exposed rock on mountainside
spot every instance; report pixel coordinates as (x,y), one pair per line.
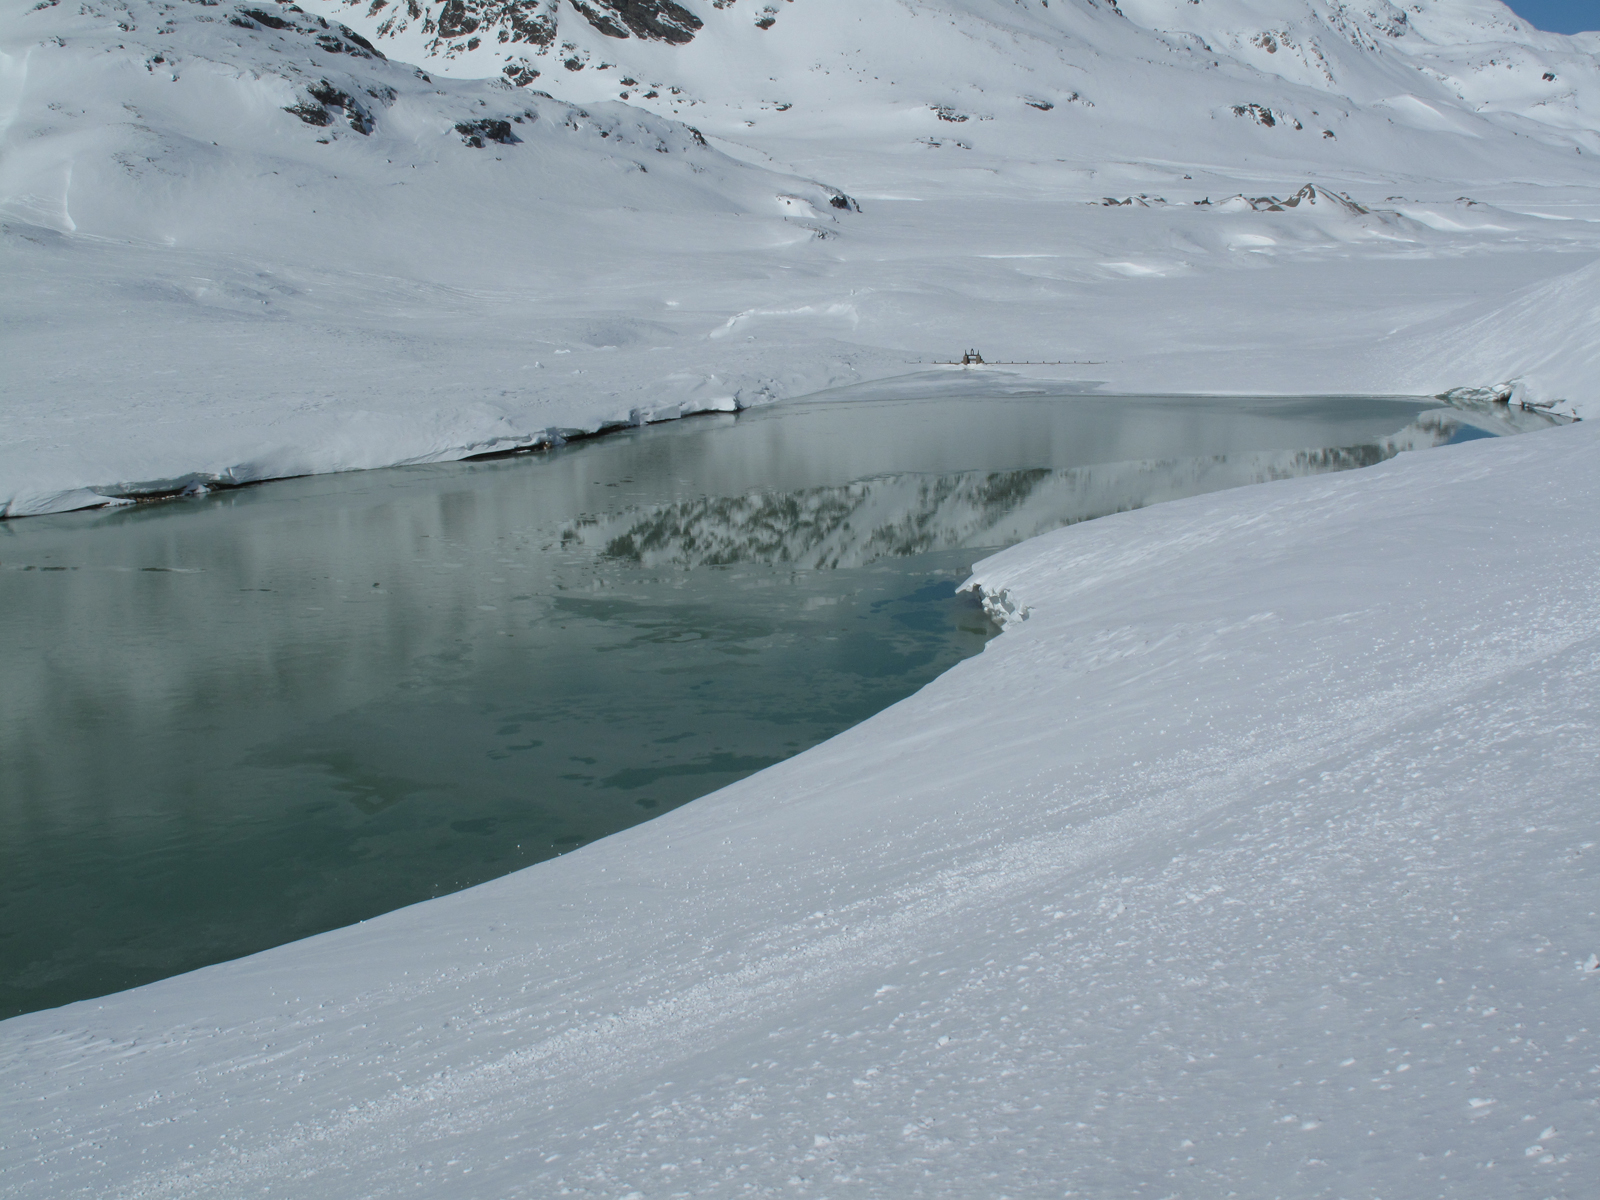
(1311,194)
(334,38)
(476,133)
(458,26)
(1262,115)
(326,96)
(1363,23)
(661,20)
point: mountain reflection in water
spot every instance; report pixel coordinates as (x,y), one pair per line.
(851,525)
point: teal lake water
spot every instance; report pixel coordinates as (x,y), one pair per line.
(236,720)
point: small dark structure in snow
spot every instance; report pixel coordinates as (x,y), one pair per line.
(973,358)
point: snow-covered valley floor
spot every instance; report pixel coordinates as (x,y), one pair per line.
(1258,859)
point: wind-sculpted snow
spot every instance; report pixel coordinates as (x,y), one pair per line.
(1257,860)
(1541,341)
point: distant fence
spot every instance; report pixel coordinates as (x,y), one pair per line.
(973,359)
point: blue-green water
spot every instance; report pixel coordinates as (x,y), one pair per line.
(237,720)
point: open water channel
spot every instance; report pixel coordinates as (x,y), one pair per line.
(233,721)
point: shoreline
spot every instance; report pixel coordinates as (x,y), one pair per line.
(902,387)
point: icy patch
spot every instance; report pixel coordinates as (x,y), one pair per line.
(69,500)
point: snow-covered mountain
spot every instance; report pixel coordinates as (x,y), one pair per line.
(200,126)
(222,221)
(1334,84)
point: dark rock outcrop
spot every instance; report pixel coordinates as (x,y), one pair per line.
(1268,117)
(311,114)
(328,96)
(653,20)
(455,21)
(534,22)
(488,129)
(262,17)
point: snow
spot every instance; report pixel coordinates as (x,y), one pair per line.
(203,288)
(1543,339)
(1256,857)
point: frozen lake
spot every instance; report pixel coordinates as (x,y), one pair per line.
(236,720)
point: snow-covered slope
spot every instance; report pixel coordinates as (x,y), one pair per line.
(239,244)
(1542,341)
(176,125)
(1256,857)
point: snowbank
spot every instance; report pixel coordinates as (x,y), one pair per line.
(1540,347)
(1256,856)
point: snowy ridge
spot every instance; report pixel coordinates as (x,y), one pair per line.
(1277,844)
